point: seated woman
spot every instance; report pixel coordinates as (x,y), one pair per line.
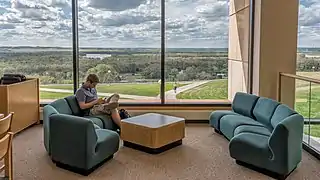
(89,101)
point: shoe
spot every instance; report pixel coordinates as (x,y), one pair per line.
(113,98)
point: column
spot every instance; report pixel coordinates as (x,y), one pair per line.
(275,47)
(238,47)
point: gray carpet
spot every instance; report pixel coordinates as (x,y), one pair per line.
(203,155)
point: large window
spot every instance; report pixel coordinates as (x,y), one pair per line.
(196,62)
(308,65)
(35,40)
(121,43)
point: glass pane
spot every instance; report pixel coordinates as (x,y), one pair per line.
(196,65)
(308,65)
(36,39)
(302,105)
(121,44)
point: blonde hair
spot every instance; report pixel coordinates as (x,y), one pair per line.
(93,78)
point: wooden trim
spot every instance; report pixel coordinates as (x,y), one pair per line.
(279,88)
(317,81)
(195,107)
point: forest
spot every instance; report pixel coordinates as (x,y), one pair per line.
(55,67)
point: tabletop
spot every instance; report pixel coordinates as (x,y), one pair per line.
(153,120)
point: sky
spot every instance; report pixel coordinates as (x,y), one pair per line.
(132,23)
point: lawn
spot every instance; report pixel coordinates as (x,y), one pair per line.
(314,130)
(142,89)
(54,95)
(303,104)
(217,89)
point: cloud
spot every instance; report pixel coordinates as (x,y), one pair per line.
(134,23)
(115,5)
(7,26)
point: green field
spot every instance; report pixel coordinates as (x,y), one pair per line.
(53,95)
(217,89)
(314,130)
(145,89)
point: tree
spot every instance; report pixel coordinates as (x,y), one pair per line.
(106,73)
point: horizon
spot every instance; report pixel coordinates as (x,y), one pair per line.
(93,47)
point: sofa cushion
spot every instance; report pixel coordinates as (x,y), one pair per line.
(73,103)
(97,121)
(252,129)
(62,106)
(229,123)
(244,103)
(264,110)
(280,114)
(215,117)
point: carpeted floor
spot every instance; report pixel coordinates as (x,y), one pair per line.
(203,155)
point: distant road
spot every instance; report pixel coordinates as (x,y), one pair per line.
(172,95)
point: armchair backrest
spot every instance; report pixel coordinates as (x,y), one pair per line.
(74,105)
(263,111)
(244,103)
(281,113)
(61,106)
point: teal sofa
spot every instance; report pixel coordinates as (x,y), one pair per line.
(264,134)
(75,141)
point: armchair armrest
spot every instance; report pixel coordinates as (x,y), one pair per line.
(48,110)
(286,141)
(72,139)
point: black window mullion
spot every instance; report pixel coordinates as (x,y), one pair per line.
(75,45)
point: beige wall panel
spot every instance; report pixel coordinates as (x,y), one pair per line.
(276,47)
(237,77)
(237,5)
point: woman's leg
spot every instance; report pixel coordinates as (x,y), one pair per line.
(116,117)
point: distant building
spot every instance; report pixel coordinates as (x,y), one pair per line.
(97,56)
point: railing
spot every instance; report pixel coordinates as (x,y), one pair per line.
(306,102)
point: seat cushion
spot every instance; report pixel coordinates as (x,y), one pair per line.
(107,144)
(229,123)
(97,121)
(280,114)
(264,110)
(252,129)
(215,117)
(250,148)
(62,106)
(243,103)
(107,122)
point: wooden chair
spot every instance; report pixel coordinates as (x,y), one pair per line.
(5,124)
(6,146)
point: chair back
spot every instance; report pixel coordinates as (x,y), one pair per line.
(5,124)
(5,144)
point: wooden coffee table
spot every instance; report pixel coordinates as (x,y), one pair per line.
(152,133)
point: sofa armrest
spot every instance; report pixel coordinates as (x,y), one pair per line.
(286,141)
(72,139)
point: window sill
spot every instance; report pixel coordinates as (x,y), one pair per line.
(168,103)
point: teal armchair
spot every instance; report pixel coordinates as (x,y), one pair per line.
(75,141)
(264,134)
